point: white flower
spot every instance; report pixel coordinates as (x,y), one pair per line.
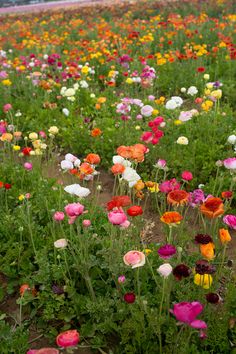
(183,89)
(131,176)
(65,111)
(121,160)
(63,90)
(70,157)
(53,130)
(146,111)
(66,165)
(77,162)
(45,57)
(76,189)
(76,86)
(182,140)
(18,114)
(171,104)
(69,92)
(61,243)
(84,84)
(192,90)
(206,76)
(231,139)
(178,100)
(71,98)
(165,270)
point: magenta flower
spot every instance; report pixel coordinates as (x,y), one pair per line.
(196,197)
(74,210)
(187,176)
(230,220)
(166,251)
(28,166)
(68,338)
(168,186)
(186,312)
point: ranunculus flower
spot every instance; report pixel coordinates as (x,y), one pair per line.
(121,279)
(86,223)
(146,111)
(182,140)
(232,139)
(61,243)
(161,163)
(196,197)
(230,220)
(74,210)
(135,210)
(68,338)
(168,186)
(117,216)
(230,163)
(58,216)
(131,176)
(181,271)
(134,259)
(224,236)
(129,298)
(179,197)
(171,217)
(192,90)
(165,270)
(47,351)
(7,107)
(212,207)
(186,312)
(76,189)
(227,194)
(203,280)
(28,166)
(118,201)
(166,251)
(187,176)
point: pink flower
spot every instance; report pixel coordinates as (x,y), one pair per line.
(58,216)
(134,259)
(28,166)
(187,176)
(139,117)
(166,251)
(74,210)
(7,107)
(42,134)
(121,279)
(168,186)
(147,137)
(68,338)
(230,163)
(230,220)
(27,195)
(161,163)
(186,312)
(196,197)
(117,216)
(165,270)
(86,223)
(146,111)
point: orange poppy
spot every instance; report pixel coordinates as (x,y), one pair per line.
(86,169)
(212,207)
(178,197)
(224,236)
(96,132)
(208,250)
(94,159)
(117,169)
(171,217)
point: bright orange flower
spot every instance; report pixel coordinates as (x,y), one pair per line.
(171,217)
(96,132)
(86,169)
(124,151)
(224,236)
(212,207)
(117,169)
(178,197)
(208,250)
(139,185)
(139,195)
(94,159)
(1,184)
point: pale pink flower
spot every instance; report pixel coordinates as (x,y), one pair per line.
(134,259)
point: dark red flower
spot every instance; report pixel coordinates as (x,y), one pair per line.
(181,271)
(129,298)
(201,69)
(7,186)
(204,267)
(135,210)
(203,239)
(212,298)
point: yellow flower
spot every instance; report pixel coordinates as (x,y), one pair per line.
(16,147)
(155,112)
(85,70)
(204,280)
(129,81)
(101,100)
(147,251)
(6,82)
(33,136)
(154,188)
(177,122)
(217,94)
(21,197)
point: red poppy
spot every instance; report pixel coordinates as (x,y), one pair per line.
(135,210)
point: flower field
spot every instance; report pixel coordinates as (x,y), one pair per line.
(117,179)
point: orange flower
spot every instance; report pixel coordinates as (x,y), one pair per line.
(139,195)
(86,169)
(171,217)
(212,207)
(224,236)
(178,197)
(96,132)
(1,184)
(124,151)
(94,159)
(117,169)
(24,288)
(6,137)
(208,250)
(139,185)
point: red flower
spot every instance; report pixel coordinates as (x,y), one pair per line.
(227,194)
(119,201)
(7,186)
(26,151)
(135,210)
(201,69)
(129,298)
